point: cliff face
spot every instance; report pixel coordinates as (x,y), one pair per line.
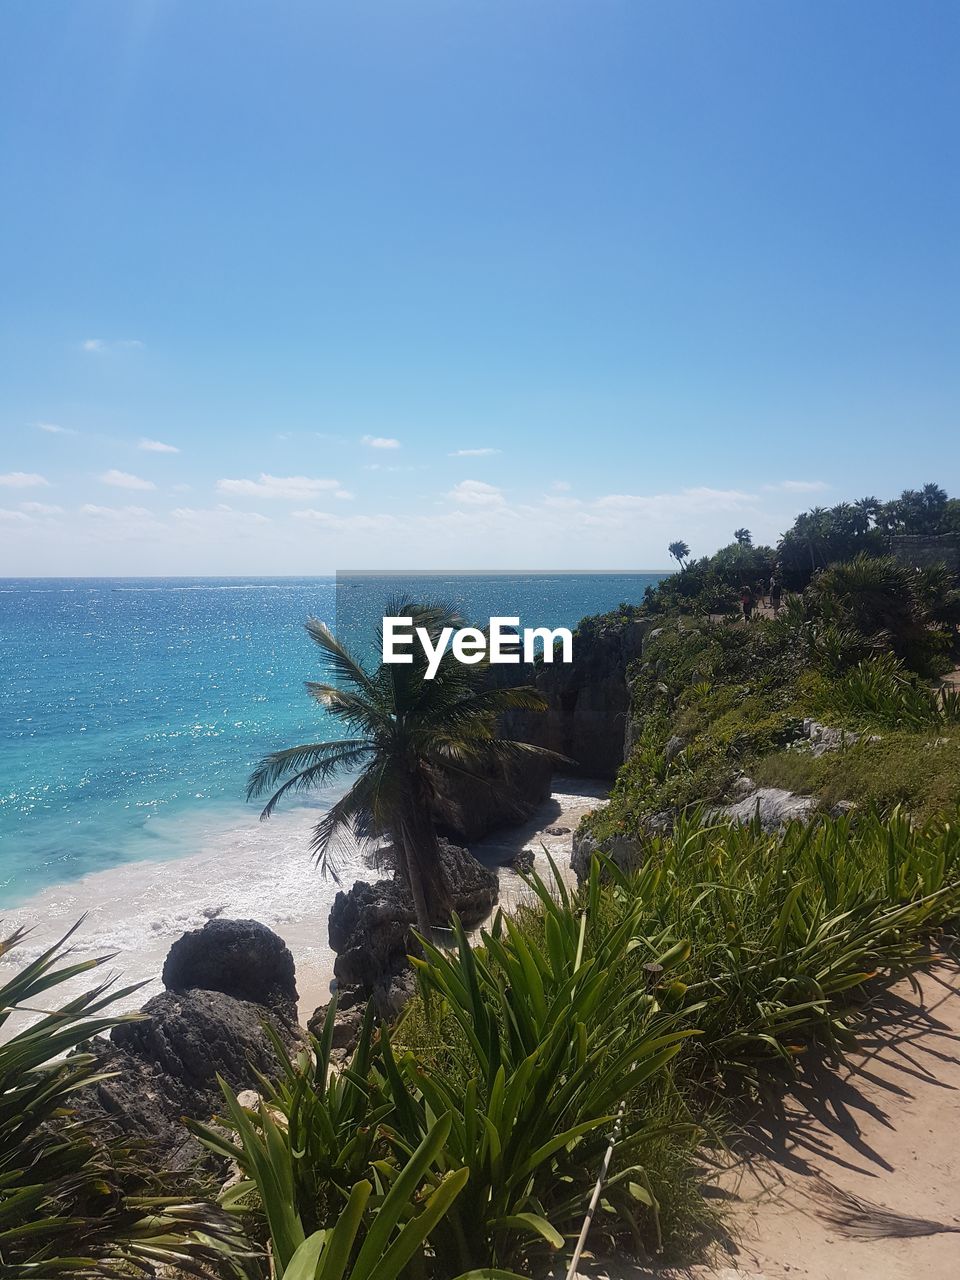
(587,722)
(589,710)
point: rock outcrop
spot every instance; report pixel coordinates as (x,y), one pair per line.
(772,805)
(587,722)
(165,1066)
(370,925)
(589,699)
(241,958)
(468,809)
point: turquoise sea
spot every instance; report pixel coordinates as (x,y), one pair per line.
(131,710)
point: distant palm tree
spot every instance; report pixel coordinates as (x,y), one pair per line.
(743,537)
(406,734)
(680,552)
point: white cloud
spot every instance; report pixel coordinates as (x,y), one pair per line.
(475,493)
(218,515)
(124,480)
(349,524)
(112,513)
(661,506)
(558,502)
(99,345)
(54,429)
(380,442)
(157,446)
(23,480)
(40,509)
(284,488)
(12,516)
(472,453)
(344,495)
(799,486)
(561,486)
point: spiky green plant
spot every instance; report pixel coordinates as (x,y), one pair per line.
(331,1121)
(553,1028)
(67,1199)
(783,927)
(385,1223)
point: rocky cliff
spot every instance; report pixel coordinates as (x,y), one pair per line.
(586,723)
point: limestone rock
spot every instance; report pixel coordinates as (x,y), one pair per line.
(166,1068)
(775,807)
(241,958)
(624,852)
(370,925)
(822,738)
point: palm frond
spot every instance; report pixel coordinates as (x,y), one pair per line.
(274,767)
(337,659)
(318,775)
(356,710)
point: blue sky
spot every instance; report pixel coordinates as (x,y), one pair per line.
(467,282)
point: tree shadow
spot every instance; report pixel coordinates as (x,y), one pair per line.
(815,1121)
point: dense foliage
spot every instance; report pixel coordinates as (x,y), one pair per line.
(816,540)
(71,1204)
(509,1069)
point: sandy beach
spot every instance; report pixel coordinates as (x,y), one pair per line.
(248,869)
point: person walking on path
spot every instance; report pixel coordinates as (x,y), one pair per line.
(746,602)
(776,594)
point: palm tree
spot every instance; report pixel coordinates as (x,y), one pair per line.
(680,552)
(744,538)
(405,735)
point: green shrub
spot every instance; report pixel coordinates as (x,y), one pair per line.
(914,771)
(519,1053)
(556,1030)
(778,928)
(881,692)
(69,1204)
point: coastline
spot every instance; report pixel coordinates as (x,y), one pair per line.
(246,869)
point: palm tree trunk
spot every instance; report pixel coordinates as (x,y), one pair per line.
(432,900)
(420,905)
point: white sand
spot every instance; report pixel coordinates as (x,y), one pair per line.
(250,870)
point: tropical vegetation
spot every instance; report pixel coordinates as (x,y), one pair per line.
(405,734)
(72,1202)
(605,1031)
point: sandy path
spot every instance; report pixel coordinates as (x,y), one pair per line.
(886,1127)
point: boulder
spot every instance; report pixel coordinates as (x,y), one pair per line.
(623,851)
(742,787)
(166,1067)
(347,1021)
(822,738)
(388,998)
(468,809)
(240,958)
(774,806)
(370,925)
